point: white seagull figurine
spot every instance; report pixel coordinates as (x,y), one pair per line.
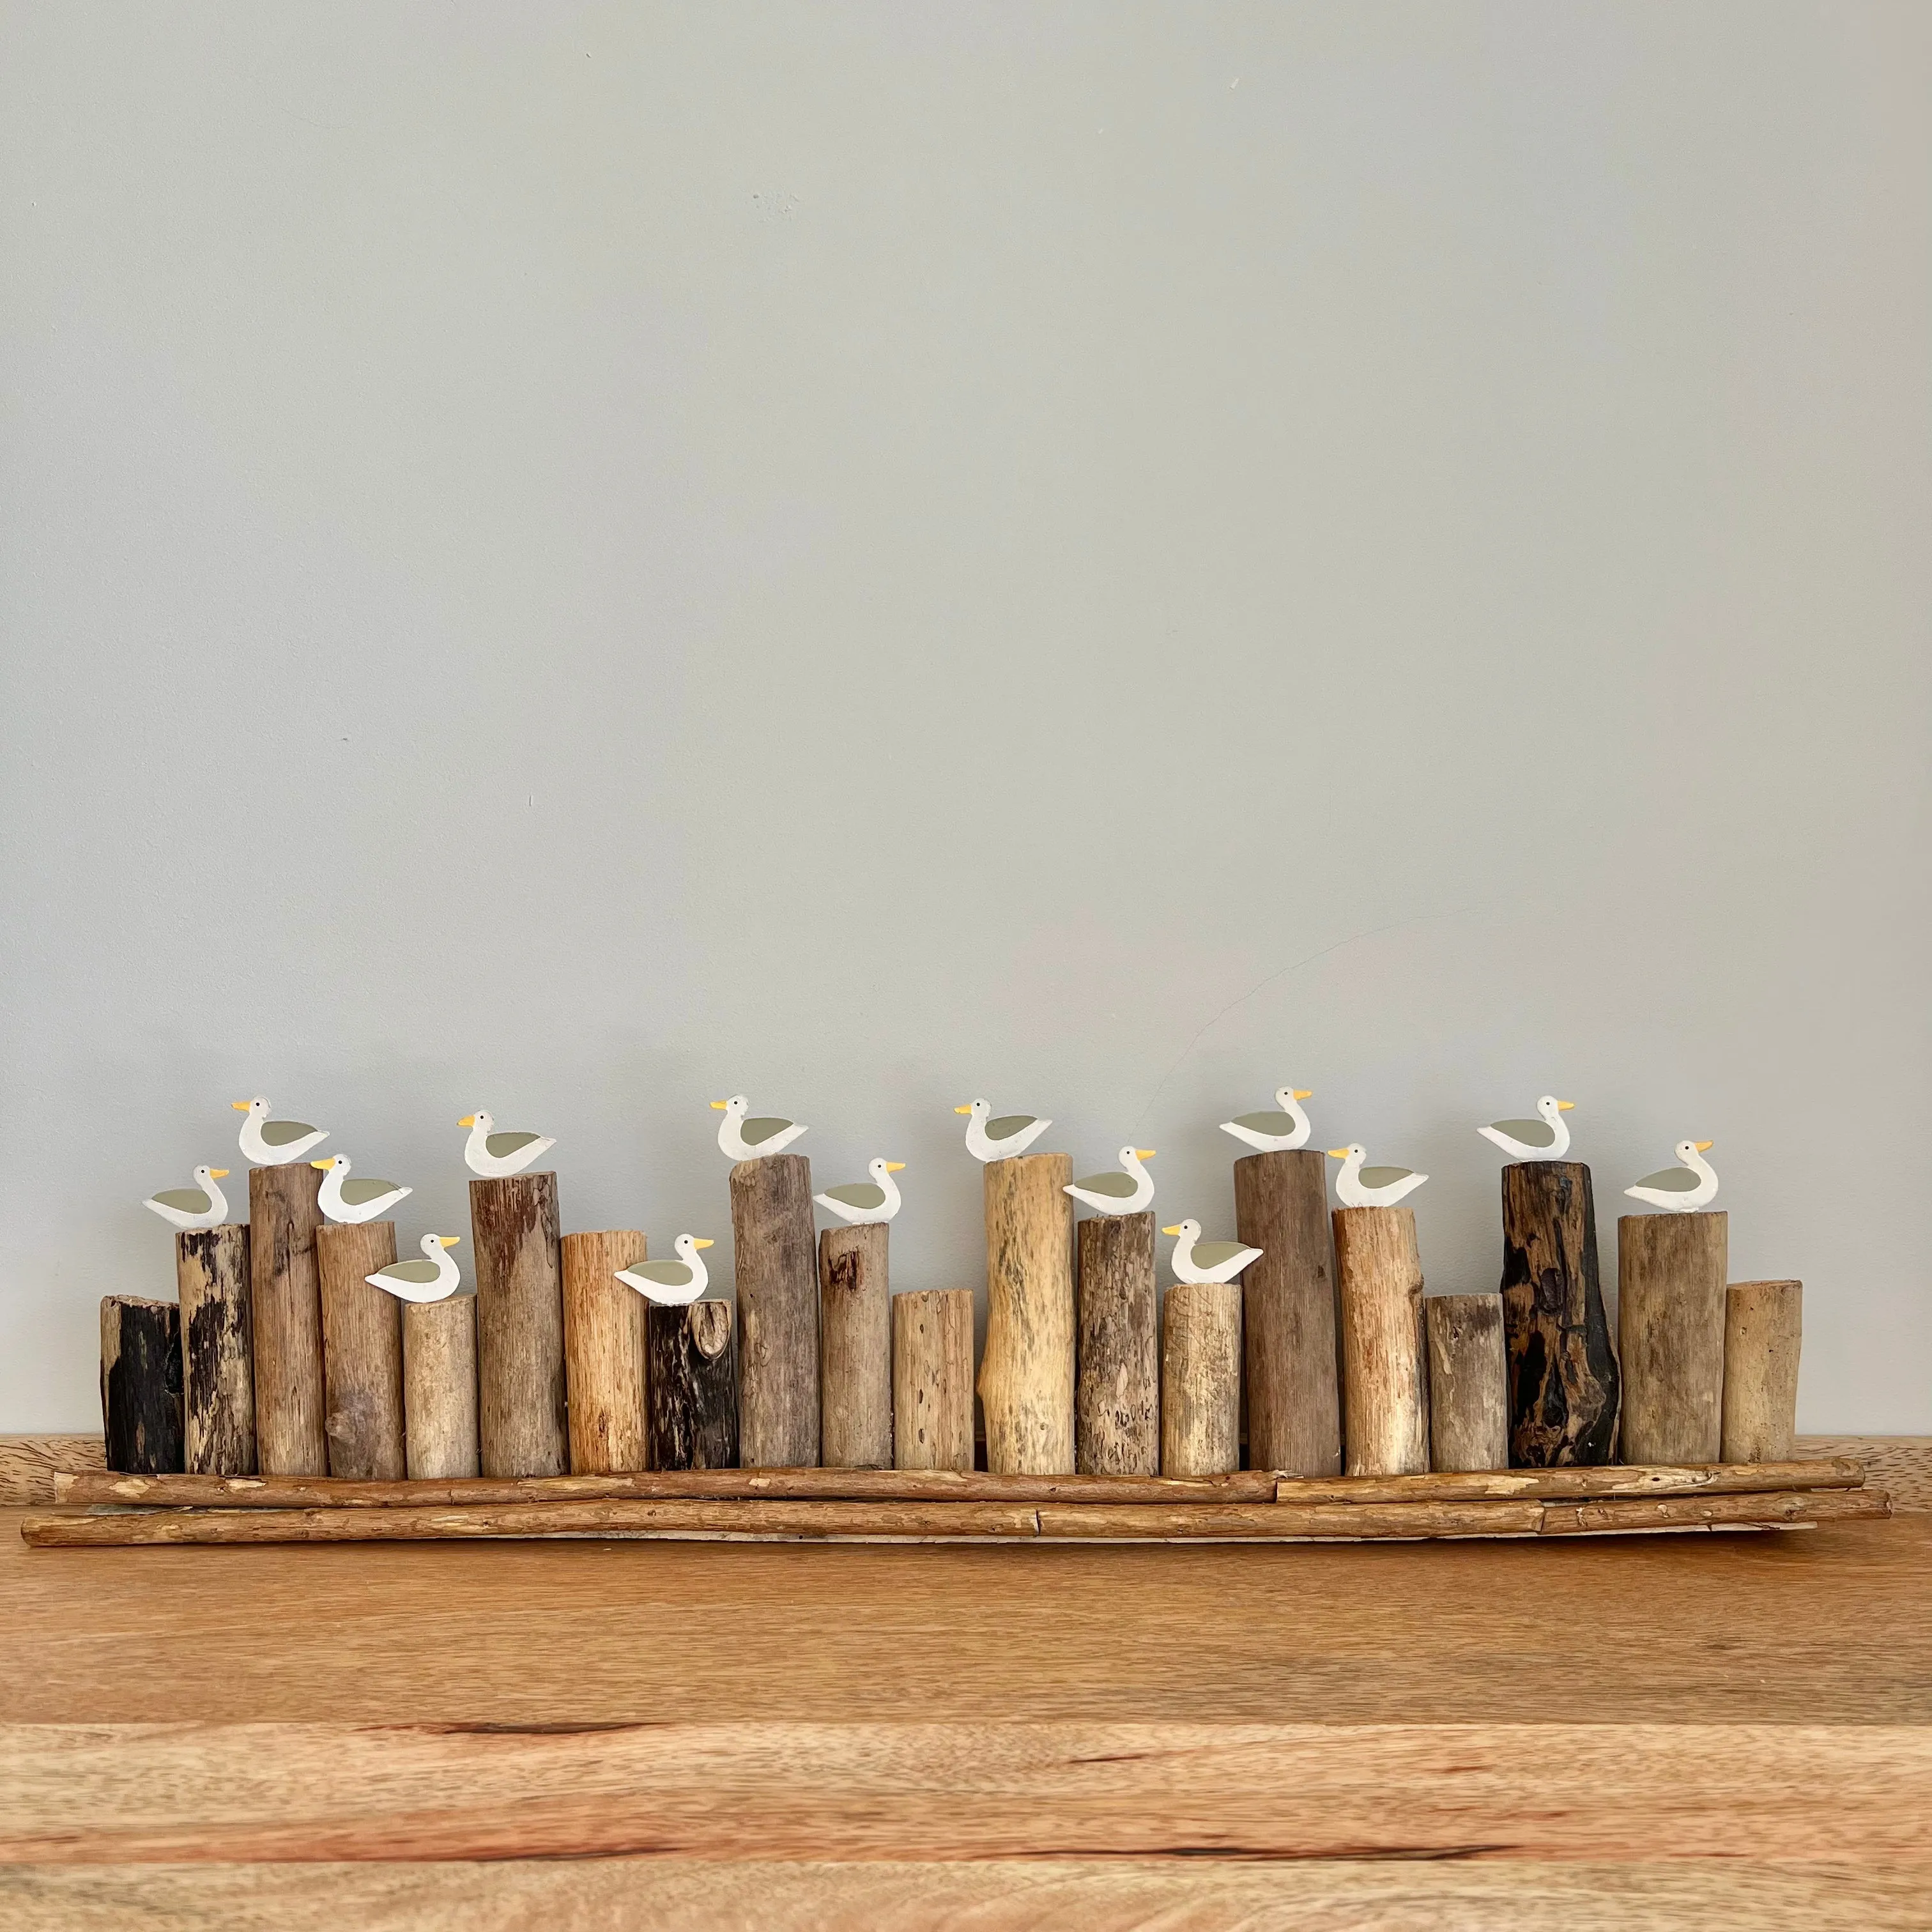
(1195,1260)
(1127,1191)
(349,1201)
(741,1139)
(862,1201)
(1275,1133)
(1546,1138)
(1359,1186)
(494,1155)
(999,1139)
(203,1205)
(1682,1190)
(671,1284)
(434,1279)
(269,1143)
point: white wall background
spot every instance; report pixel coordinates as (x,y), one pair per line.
(577,559)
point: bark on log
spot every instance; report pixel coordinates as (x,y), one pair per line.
(285,1309)
(777,1311)
(1563,1374)
(141,1384)
(1201,1380)
(1295,1401)
(521,1412)
(1116,1423)
(439,1387)
(361,1352)
(218,1351)
(932,1380)
(1469,1382)
(855,1304)
(1026,1374)
(692,1384)
(1385,1360)
(604,1353)
(1671,1274)
(1763,1327)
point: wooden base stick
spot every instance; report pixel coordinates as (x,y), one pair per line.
(777,1311)
(1294,1401)
(932,1379)
(218,1351)
(141,1384)
(855,1305)
(519,1378)
(362,1351)
(1117,1430)
(692,1383)
(1026,1374)
(439,1387)
(604,1353)
(1563,1376)
(285,1311)
(1763,1326)
(1671,1275)
(1201,1380)
(1469,1382)
(1385,1362)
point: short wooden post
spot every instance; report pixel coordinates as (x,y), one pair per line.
(1764,1325)
(932,1379)
(1385,1360)
(218,1351)
(1201,1380)
(1117,1421)
(440,1386)
(1026,1374)
(286,1314)
(1469,1382)
(1295,1401)
(520,1378)
(141,1385)
(1563,1376)
(777,1273)
(855,1306)
(692,1386)
(1671,1275)
(361,1352)
(604,1353)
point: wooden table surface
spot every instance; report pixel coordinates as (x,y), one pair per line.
(1691,1730)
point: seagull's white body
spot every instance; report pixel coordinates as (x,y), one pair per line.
(741,1139)
(1279,1132)
(203,1205)
(1683,1190)
(866,1202)
(1105,1192)
(1546,1138)
(990,1139)
(1358,1186)
(494,1155)
(433,1278)
(1195,1260)
(364,1200)
(670,1284)
(271,1143)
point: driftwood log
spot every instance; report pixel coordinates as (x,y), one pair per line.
(439,1387)
(285,1310)
(855,1303)
(1671,1276)
(1384,1359)
(1117,1421)
(1026,1374)
(603,1352)
(520,1410)
(362,1352)
(691,1385)
(777,1311)
(1201,1379)
(1469,1382)
(218,1351)
(141,1384)
(1764,1325)
(932,1379)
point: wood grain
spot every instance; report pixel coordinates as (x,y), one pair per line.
(218,1351)
(1026,1371)
(362,1352)
(1764,1327)
(1672,1269)
(855,1312)
(141,1384)
(775,1255)
(439,1387)
(1469,1382)
(1201,1379)
(1385,1357)
(603,1352)
(692,1386)
(284,1211)
(1117,1398)
(521,1394)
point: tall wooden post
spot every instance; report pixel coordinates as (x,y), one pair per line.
(855,1305)
(778,1312)
(440,1386)
(286,1309)
(932,1379)
(1469,1382)
(1294,1401)
(141,1385)
(1201,1380)
(1116,1430)
(1026,1374)
(1385,1362)
(692,1385)
(1763,1326)
(362,1352)
(519,1379)
(218,1351)
(1671,1276)
(604,1353)
(1563,1376)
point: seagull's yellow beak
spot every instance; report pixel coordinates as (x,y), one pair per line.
(468,1121)
(1564,1106)
(240,1106)
(324,1164)
(1144,1153)
(1338,1153)
(219,1173)
(1174,1230)
(1303,1093)
(966,1109)
(449,1240)
(1704,1147)
(705,1243)
(895,1167)
(720,1106)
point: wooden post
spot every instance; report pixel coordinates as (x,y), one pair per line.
(778,1309)
(519,1381)
(1294,1401)
(1563,1376)
(1763,1326)
(218,1351)
(1384,1361)
(1201,1380)
(1026,1374)
(440,1386)
(1117,1430)
(141,1384)
(285,1307)
(1469,1382)
(932,1379)
(1671,1274)
(856,1335)
(693,1384)
(362,1351)
(604,1353)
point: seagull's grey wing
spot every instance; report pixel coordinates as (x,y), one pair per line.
(666,1274)
(1266,1124)
(1672,1180)
(279,1133)
(1212,1254)
(1384,1177)
(1008,1125)
(755,1133)
(357,1193)
(184,1200)
(424,1272)
(1115,1185)
(501,1146)
(861,1194)
(1527,1133)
